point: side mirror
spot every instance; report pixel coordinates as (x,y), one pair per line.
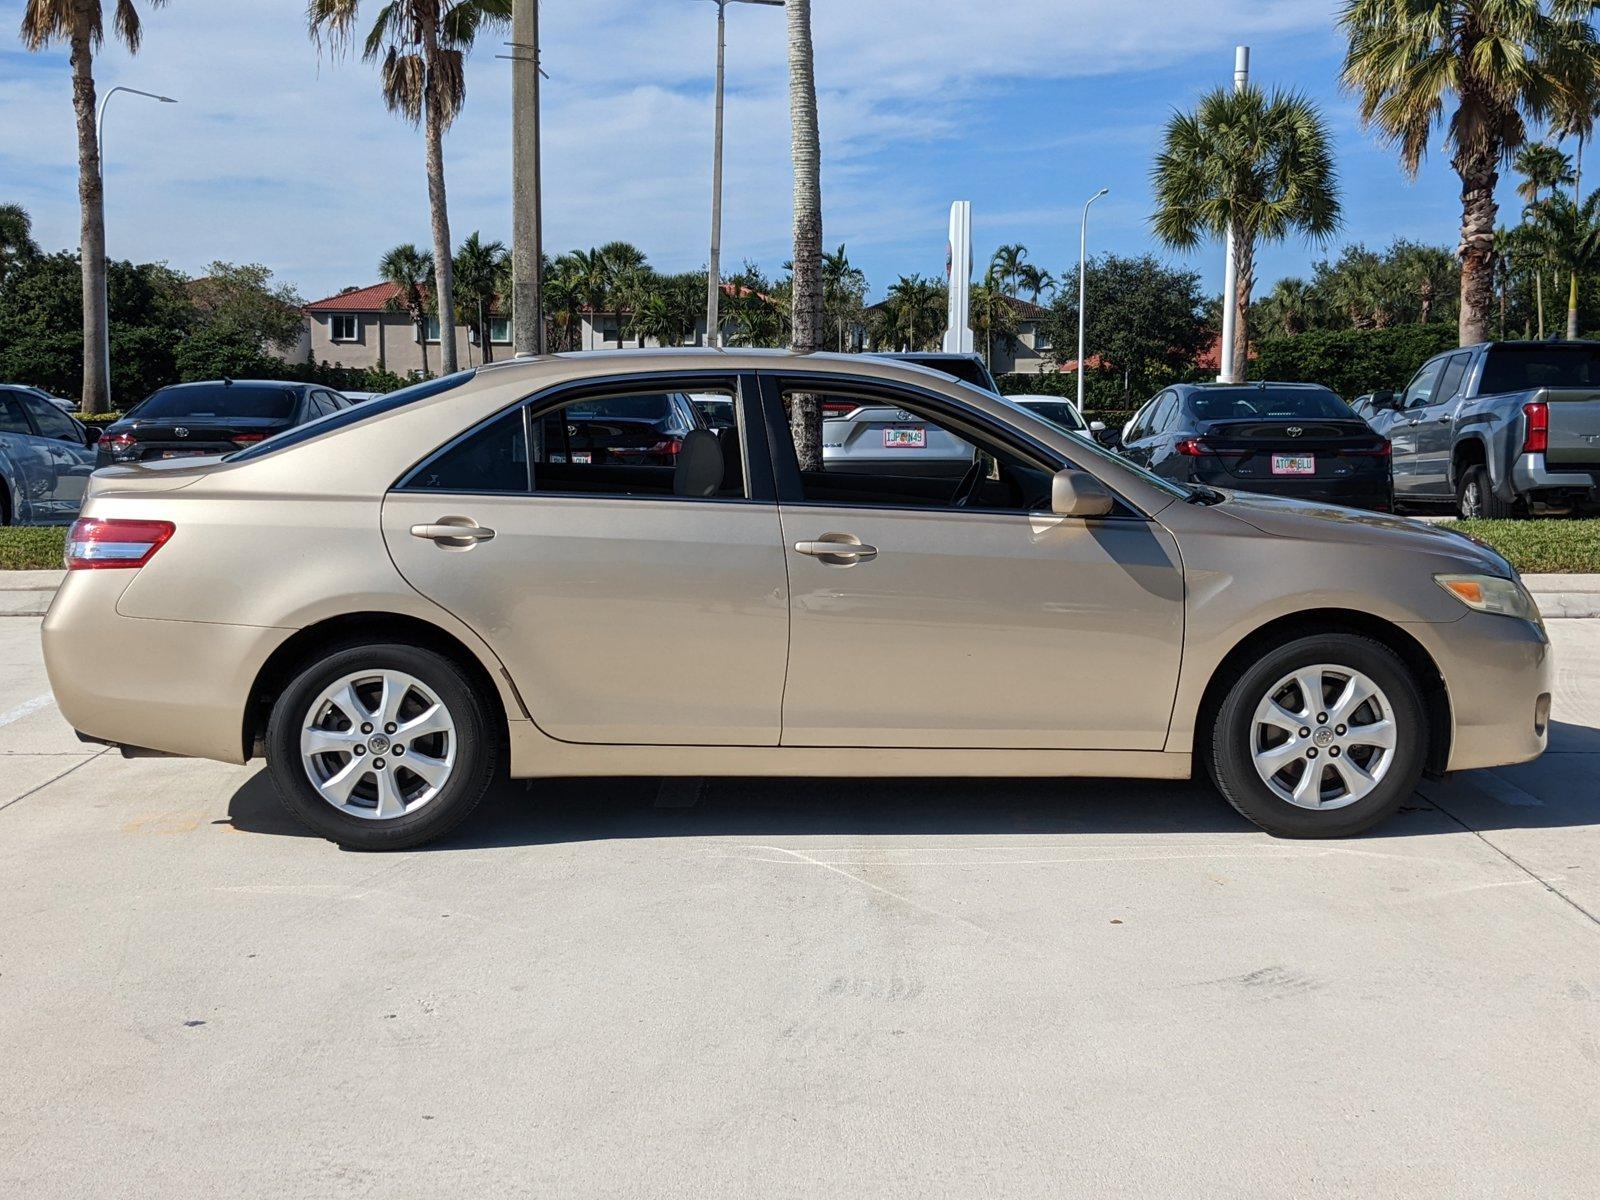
(1078,494)
(1097,426)
(91,434)
(1385,400)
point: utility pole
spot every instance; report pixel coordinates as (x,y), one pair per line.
(527,236)
(1230,274)
(714,267)
(1083,284)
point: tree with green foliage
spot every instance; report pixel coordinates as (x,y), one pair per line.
(1259,164)
(408,268)
(81,24)
(912,314)
(423,47)
(1501,63)
(1145,325)
(16,238)
(1570,234)
(1543,169)
(479,273)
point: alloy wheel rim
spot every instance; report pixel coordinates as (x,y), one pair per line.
(1470,503)
(1323,737)
(378,744)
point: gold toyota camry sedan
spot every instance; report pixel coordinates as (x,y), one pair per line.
(555,567)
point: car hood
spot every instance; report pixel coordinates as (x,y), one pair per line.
(1310,521)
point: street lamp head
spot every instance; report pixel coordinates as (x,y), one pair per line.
(166,99)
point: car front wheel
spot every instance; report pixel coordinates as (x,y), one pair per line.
(382,746)
(1324,736)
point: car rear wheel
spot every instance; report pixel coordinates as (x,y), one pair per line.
(1324,736)
(1475,497)
(381,747)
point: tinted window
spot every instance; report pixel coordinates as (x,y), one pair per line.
(494,459)
(623,408)
(1166,410)
(220,400)
(350,416)
(1060,411)
(1521,368)
(1225,404)
(967,370)
(1450,381)
(637,445)
(52,422)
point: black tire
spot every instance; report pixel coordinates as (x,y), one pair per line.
(1475,497)
(1232,769)
(477,747)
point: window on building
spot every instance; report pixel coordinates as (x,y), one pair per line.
(432,324)
(500,330)
(344,327)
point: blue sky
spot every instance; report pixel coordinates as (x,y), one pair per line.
(275,155)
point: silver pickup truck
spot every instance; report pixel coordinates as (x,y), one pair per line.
(1499,429)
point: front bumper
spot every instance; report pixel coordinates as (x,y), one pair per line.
(175,687)
(1499,672)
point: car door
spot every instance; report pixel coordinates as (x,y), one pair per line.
(1402,431)
(25,469)
(1432,426)
(920,622)
(632,602)
(69,457)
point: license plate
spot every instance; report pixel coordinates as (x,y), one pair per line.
(905,439)
(183,453)
(1294,464)
(583,456)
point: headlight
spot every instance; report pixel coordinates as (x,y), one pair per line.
(1491,594)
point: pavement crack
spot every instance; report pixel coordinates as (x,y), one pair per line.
(54,779)
(1515,862)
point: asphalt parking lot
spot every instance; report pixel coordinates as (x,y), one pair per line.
(795,988)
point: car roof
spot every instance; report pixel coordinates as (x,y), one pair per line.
(1257,384)
(244,383)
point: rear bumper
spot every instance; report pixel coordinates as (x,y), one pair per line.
(1531,473)
(1370,492)
(171,687)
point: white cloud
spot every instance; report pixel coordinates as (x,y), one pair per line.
(278,157)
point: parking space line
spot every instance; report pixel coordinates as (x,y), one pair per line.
(55,778)
(26,709)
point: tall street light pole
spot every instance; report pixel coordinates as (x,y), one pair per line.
(714,267)
(105,272)
(527,217)
(1083,284)
(1230,273)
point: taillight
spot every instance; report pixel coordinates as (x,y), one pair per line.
(96,543)
(1193,448)
(1382,450)
(246,439)
(837,408)
(118,443)
(1536,427)
(670,448)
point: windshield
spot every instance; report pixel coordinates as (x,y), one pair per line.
(1057,412)
(622,408)
(1227,404)
(957,366)
(1524,368)
(271,402)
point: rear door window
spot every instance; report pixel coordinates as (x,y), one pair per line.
(12,418)
(51,421)
(1454,372)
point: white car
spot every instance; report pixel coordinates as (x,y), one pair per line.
(1060,412)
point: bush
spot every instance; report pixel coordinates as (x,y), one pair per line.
(1351,361)
(32,547)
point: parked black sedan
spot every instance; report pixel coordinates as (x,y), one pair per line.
(1289,439)
(212,418)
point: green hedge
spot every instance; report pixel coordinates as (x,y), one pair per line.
(32,547)
(1351,362)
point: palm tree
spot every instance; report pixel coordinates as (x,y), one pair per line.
(16,238)
(1543,168)
(844,290)
(1286,310)
(1259,164)
(408,269)
(81,24)
(423,46)
(1035,280)
(806,299)
(1571,237)
(564,306)
(993,314)
(479,270)
(1006,267)
(1502,62)
(912,314)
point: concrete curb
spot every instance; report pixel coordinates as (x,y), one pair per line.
(28,593)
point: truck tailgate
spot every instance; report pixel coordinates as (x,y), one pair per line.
(1574,426)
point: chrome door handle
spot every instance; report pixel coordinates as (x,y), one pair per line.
(837,549)
(456,532)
